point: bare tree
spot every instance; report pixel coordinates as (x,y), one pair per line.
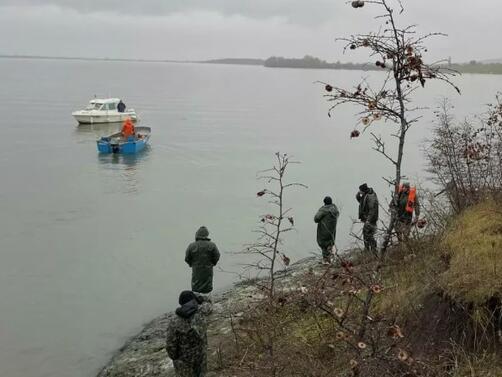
(465,158)
(268,246)
(267,253)
(399,53)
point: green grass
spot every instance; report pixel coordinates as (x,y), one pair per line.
(407,283)
(474,245)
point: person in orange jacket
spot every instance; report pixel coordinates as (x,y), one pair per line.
(128,128)
(407,203)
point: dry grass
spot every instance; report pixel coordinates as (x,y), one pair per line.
(409,276)
(469,365)
(474,245)
(422,285)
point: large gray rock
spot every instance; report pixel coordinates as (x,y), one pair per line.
(144,355)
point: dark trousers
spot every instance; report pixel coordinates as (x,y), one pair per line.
(327,250)
(369,231)
(403,229)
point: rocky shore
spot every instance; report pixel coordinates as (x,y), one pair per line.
(144,354)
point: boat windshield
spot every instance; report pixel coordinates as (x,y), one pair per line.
(94,106)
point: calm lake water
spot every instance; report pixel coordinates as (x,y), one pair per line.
(92,247)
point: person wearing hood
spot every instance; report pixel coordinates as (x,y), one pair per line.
(186,339)
(202,255)
(368,214)
(326,219)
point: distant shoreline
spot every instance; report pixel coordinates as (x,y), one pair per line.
(307,62)
(41,57)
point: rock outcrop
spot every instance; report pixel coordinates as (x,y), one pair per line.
(144,355)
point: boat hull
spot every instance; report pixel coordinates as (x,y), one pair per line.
(89,117)
(117,144)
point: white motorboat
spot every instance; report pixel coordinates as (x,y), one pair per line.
(103,111)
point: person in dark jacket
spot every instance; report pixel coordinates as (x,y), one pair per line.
(326,219)
(186,339)
(368,214)
(121,107)
(202,255)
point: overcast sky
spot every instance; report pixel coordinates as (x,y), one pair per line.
(204,29)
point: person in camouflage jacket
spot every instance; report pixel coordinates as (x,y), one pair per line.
(368,214)
(186,340)
(202,255)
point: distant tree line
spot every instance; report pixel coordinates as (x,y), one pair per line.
(312,62)
(477,67)
(309,61)
(242,61)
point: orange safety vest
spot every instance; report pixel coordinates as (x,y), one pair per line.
(412,197)
(127,129)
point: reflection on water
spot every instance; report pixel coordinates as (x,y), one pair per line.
(125,167)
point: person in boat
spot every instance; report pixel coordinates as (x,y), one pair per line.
(121,107)
(407,203)
(326,219)
(368,214)
(128,129)
(186,338)
(202,255)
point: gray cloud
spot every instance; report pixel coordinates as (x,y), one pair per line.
(199,29)
(299,11)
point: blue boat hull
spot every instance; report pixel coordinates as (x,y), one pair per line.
(114,144)
(123,148)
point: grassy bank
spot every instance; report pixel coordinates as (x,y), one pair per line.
(432,307)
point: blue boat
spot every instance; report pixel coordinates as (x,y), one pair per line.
(116,143)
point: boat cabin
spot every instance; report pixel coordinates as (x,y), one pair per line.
(103,104)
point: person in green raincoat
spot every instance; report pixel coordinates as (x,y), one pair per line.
(326,219)
(202,255)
